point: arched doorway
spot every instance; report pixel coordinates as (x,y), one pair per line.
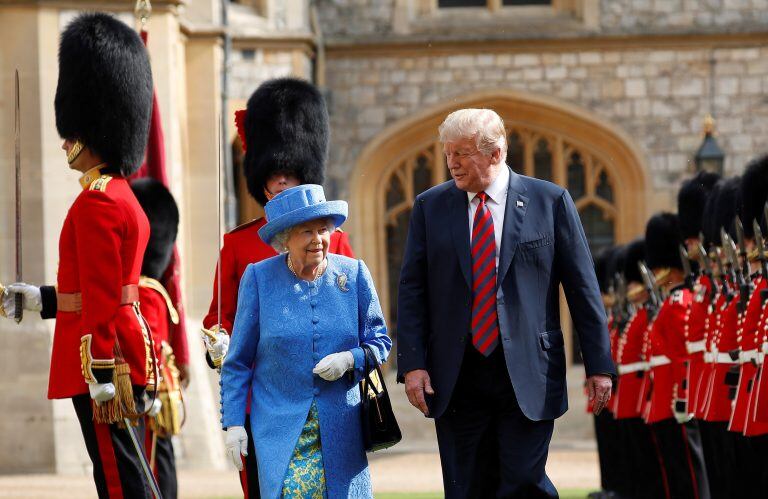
(547,139)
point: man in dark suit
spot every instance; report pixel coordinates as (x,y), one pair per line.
(479,342)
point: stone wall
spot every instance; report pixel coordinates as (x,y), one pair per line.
(249,68)
(644,15)
(356,17)
(658,97)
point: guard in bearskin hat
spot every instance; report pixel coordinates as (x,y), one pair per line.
(691,205)
(285,134)
(165,417)
(668,410)
(101,357)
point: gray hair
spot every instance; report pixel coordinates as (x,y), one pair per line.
(280,240)
(483,125)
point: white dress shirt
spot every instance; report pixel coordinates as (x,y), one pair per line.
(496,202)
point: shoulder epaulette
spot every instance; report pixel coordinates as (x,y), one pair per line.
(244,226)
(100,184)
(154,284)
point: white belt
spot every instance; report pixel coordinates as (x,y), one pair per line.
(765,347)
(659,360)
(696,346)
(748,356)
(632,367)
(723,358)
(709,357)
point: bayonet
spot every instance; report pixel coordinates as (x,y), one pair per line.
(760,244)
(650,287)
(686,261)
(18,305)
(742,247)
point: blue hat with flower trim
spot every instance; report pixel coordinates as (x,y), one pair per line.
(297,205)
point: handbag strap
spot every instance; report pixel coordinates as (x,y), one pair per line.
(371,359)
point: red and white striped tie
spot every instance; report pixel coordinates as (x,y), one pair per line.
(485,321)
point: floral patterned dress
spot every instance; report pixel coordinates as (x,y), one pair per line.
(305,478)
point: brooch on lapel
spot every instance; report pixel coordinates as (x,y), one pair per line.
(341,282)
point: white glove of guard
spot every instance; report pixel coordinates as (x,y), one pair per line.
(156,406)
(31,298)
(333,366)
(217,349)
(101,392)
(237,445)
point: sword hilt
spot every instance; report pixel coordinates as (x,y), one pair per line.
(18,311)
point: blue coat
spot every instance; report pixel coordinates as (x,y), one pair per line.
(543,246)
(283,327)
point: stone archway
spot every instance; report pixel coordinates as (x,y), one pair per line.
(547,138)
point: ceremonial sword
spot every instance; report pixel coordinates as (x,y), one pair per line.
(143,460)
(17,309)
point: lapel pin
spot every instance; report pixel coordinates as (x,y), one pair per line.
(520,204)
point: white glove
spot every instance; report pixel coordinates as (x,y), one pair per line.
(156,406)
(31,298)
(218,348)
(237,445)
(101,392)
(333,367)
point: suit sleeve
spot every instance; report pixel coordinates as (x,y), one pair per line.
(372,330)
(412,300)
(237,370)
(574,265)
(99,230)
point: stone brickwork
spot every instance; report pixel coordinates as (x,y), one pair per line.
(658,97)
(643,15)
(249,68)
(356,17)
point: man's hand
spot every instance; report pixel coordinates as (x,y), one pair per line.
(417,384)
(599,391)
(237,445)
(31,298)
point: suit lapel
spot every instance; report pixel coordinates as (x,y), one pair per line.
(460,230)
(514,214)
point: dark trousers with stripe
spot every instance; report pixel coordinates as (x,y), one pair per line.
(160,453)
(488,448)
(681,459)
(639,460)
(117,469)
(249,477)
(609,451)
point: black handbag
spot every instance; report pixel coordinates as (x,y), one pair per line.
(380,428)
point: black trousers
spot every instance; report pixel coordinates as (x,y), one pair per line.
(641,473)
(488,448)
(681,459)
(117,468)
(610,451)
(164,464)
(249,477)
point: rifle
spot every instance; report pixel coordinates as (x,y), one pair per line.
(736,270)
(760,242)
(654,298)
(686,261)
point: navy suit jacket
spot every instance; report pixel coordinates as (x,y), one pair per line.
(542,246)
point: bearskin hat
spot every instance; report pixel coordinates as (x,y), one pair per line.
(662,241)
(286,130)
(691,200)
(104,93)
(163,214)
(754,191)
(601,268)
(635,254)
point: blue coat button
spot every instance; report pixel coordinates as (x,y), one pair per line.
(315,336)
(315,320)
(313,303)
(317,391)
(316,356)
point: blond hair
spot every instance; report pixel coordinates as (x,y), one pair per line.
(483,125)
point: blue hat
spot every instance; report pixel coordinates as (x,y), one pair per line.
(297,205)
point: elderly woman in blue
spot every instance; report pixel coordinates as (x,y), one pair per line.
(302,318)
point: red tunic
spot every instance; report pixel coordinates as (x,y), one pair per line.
(154,308)
(711,332)
(630,366)
(718,405)
(669,356)
(243,246)
(760,411)
(696,337)
(101,249)
(748,345)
